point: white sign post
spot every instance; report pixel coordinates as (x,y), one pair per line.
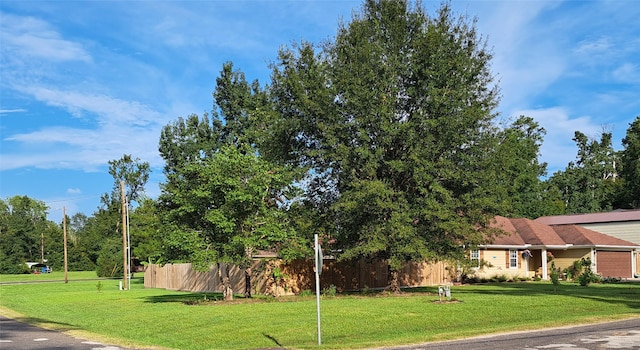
(318,256)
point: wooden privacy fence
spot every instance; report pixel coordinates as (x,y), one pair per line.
(277,278)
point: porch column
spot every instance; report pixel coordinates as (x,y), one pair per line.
(594,267)
(634,268)
(545,275)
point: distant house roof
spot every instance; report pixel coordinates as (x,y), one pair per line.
(525,232)
(578,235)
(592,218)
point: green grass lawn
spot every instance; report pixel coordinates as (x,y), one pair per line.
(53,276)
(178,320)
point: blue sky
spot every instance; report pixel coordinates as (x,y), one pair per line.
(84,82)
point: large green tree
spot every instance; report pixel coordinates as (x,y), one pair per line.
(630,164)
(23,230)
(589,184)
(518,173)
(145,226)
(82,246)
(106,224)
(222,200)
(394,121)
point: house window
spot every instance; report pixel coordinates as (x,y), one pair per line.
(474,256)
(513,259)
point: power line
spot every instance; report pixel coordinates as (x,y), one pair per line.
(74,198)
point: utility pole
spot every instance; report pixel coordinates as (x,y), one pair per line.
(42,246)
(64,234)
(124,237)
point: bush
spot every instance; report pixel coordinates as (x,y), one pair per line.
(471,279)
(611,280)
(306,293)
(366,290)
(555,276)
(499,278)
(574,270)
(587,276)
(329,291)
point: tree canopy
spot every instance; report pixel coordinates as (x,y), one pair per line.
(222,199)
(394,122)
(630,159)
(588,184)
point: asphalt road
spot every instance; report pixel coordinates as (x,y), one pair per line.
(611,335)
(21,336)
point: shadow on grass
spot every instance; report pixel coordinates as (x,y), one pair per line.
(272,338)
(625,293)
(35,321)
(185,298)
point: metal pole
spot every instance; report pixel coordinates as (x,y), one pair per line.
(318,267)
(124,236)
(128,250)
(64,232)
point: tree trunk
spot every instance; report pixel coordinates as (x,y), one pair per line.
(225,280)
(394,283)
(248,252)
(247,282)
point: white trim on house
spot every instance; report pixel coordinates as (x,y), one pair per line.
(474,254)
(513,257)
(545,275)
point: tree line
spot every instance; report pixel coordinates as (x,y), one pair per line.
(384,140)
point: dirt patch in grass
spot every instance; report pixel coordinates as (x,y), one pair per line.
(452,301)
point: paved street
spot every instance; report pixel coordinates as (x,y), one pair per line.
(16,335)
(610,335)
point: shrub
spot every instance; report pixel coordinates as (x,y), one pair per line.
(611,280)
(366,290)
(587,276)
(471,279)
(329,291)
(306,293)
(574,270)
(555,276)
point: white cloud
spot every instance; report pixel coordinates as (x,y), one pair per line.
(4,112)
(558,148)
(595,46)
(627,73)
(527,56)
(69,148)
(123,127)
(74,191)
(109,110)
(32,37)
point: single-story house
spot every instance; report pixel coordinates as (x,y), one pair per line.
(527,248)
